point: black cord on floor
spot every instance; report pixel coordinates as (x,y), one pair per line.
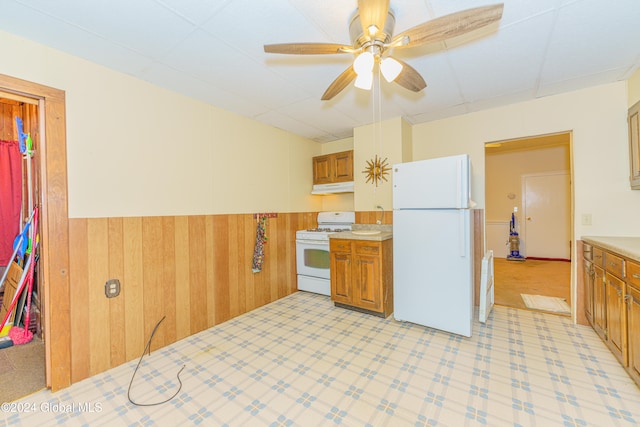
(148,347)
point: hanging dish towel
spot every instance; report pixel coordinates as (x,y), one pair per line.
(261,240)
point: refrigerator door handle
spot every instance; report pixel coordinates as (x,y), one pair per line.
(462,244)
(459,177)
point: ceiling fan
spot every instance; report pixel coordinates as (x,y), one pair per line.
(372,39)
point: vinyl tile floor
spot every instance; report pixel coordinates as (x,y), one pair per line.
(300,361)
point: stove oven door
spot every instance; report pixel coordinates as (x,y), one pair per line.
(312,258)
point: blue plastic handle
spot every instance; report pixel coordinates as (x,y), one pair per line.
(21,135)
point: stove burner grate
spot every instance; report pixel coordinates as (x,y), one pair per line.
(325,229)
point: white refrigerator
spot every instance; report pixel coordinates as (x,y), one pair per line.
(433,243)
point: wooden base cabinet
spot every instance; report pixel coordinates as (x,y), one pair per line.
(589,275)
(341,267)
(616,331)
(615,290)
(362,275)
(633,320)
(612,288)
(599,298)
(633,329)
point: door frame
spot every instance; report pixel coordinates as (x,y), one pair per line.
(54,225)
(522,226)
(577,297)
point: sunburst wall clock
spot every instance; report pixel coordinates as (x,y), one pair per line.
(377,170)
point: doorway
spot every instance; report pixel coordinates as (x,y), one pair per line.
(54,226)
(528,195)
(25,361)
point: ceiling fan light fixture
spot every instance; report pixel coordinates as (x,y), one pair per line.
(364,81)
(371,29)
(363,64)
(390,68)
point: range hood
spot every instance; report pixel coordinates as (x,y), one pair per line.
(335,188)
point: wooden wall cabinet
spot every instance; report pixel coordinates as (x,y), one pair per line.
(362,275)
(335,167)
(634,146)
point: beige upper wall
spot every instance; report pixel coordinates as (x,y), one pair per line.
(337,146)
(135,149)
(388,140)
(597,117)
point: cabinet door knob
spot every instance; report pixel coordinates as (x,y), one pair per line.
(635,276)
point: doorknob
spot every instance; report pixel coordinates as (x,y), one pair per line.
(528,218)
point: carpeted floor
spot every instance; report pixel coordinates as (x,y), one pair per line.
(21,370)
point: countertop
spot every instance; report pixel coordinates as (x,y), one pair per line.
(386,232)
(626,246)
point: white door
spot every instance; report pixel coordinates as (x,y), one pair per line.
(546,222)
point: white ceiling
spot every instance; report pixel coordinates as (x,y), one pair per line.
(212,50)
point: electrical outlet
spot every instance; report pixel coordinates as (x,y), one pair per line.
(112,288)
(586,219)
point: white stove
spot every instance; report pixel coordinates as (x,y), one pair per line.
(319,233)
(312,251)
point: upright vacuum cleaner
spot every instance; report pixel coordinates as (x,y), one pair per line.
(514,242)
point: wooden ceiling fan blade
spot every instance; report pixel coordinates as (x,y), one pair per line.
(409,78)
(373,12)
(449,26)
(307,48)
(339,83)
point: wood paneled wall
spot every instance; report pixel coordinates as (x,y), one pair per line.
(195,271)
(371,217)
(9,109)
